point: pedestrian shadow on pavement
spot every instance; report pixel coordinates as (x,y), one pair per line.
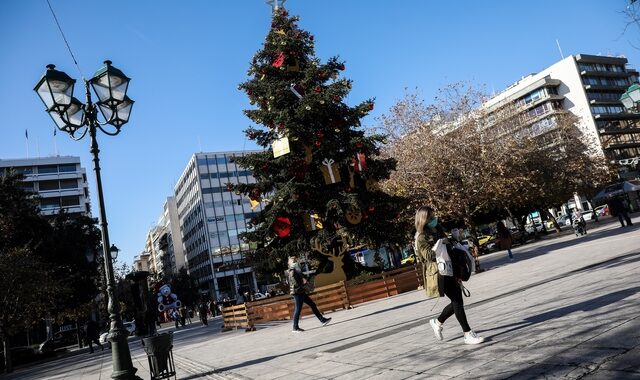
(584,306)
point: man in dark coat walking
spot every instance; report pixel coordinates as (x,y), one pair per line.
(618,208)
(91,331)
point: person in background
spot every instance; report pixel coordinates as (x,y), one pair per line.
(91,332)
(203,311)
(297,282)
(504,238)
(428,231)
(617,208)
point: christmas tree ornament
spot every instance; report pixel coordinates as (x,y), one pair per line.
(341,67)
(280,147)
(371,185)
(321,101)
(311,222)
(297,90)
(359,162)
(282,226)
(308,154)
(279,60)
(353,214)
(352,174)
(317,89)
(292,65)
(330,171)
(308,108)
(317,143)
(280,32)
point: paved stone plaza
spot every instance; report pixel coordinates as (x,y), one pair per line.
(567,307)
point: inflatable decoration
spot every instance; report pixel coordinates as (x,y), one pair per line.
(166,299)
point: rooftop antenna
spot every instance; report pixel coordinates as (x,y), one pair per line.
(276,4)
(559,48)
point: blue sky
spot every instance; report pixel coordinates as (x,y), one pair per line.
(187,58)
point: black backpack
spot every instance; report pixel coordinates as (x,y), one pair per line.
(461,263)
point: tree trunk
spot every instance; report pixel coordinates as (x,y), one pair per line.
(8,366)
(556,226)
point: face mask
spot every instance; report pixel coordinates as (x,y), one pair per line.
(433,222)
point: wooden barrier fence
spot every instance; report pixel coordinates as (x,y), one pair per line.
(332,297)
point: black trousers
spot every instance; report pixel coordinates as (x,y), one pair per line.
(454,293)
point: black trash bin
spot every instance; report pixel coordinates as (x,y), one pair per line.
(158,348)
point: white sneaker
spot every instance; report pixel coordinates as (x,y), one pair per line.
(471,338)
(437,328)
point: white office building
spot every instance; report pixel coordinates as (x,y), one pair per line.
(589,86)
(211,217)
(59,181)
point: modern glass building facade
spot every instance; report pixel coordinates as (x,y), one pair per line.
(211,218)
(59,181)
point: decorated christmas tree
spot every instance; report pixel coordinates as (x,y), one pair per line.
(318,175)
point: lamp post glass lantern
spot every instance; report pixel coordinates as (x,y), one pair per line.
(114,252)
(55,89)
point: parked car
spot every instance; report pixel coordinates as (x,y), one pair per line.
(529,227)
(130,327)
(409,260)
(563,220)
(259,296)
(104,337)
(59,340)
(602,210)
(486,244)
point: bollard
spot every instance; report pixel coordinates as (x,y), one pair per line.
(158,348)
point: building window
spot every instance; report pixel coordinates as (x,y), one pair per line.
(606,109)
(49,203)
(69,184)
(70,201)
(48,185)
(48,169)
(67,168)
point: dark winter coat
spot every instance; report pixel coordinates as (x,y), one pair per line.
(296,281)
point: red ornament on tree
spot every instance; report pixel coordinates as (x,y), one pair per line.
(282,226)
(279,60)
(317,89)
(341,66)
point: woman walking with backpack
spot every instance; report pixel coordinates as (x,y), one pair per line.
(428,231)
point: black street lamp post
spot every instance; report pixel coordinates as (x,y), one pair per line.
(55,88)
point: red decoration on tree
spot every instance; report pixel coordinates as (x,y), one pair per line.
(359,162)
(370,106)
(318,143)
(282,226)
(317,89)
(279,60)
(337,98)
(341,66)
(372,209)
(359,145)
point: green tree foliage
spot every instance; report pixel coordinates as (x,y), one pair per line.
(44,266)
(28,287)
(299,98)
(73,248)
